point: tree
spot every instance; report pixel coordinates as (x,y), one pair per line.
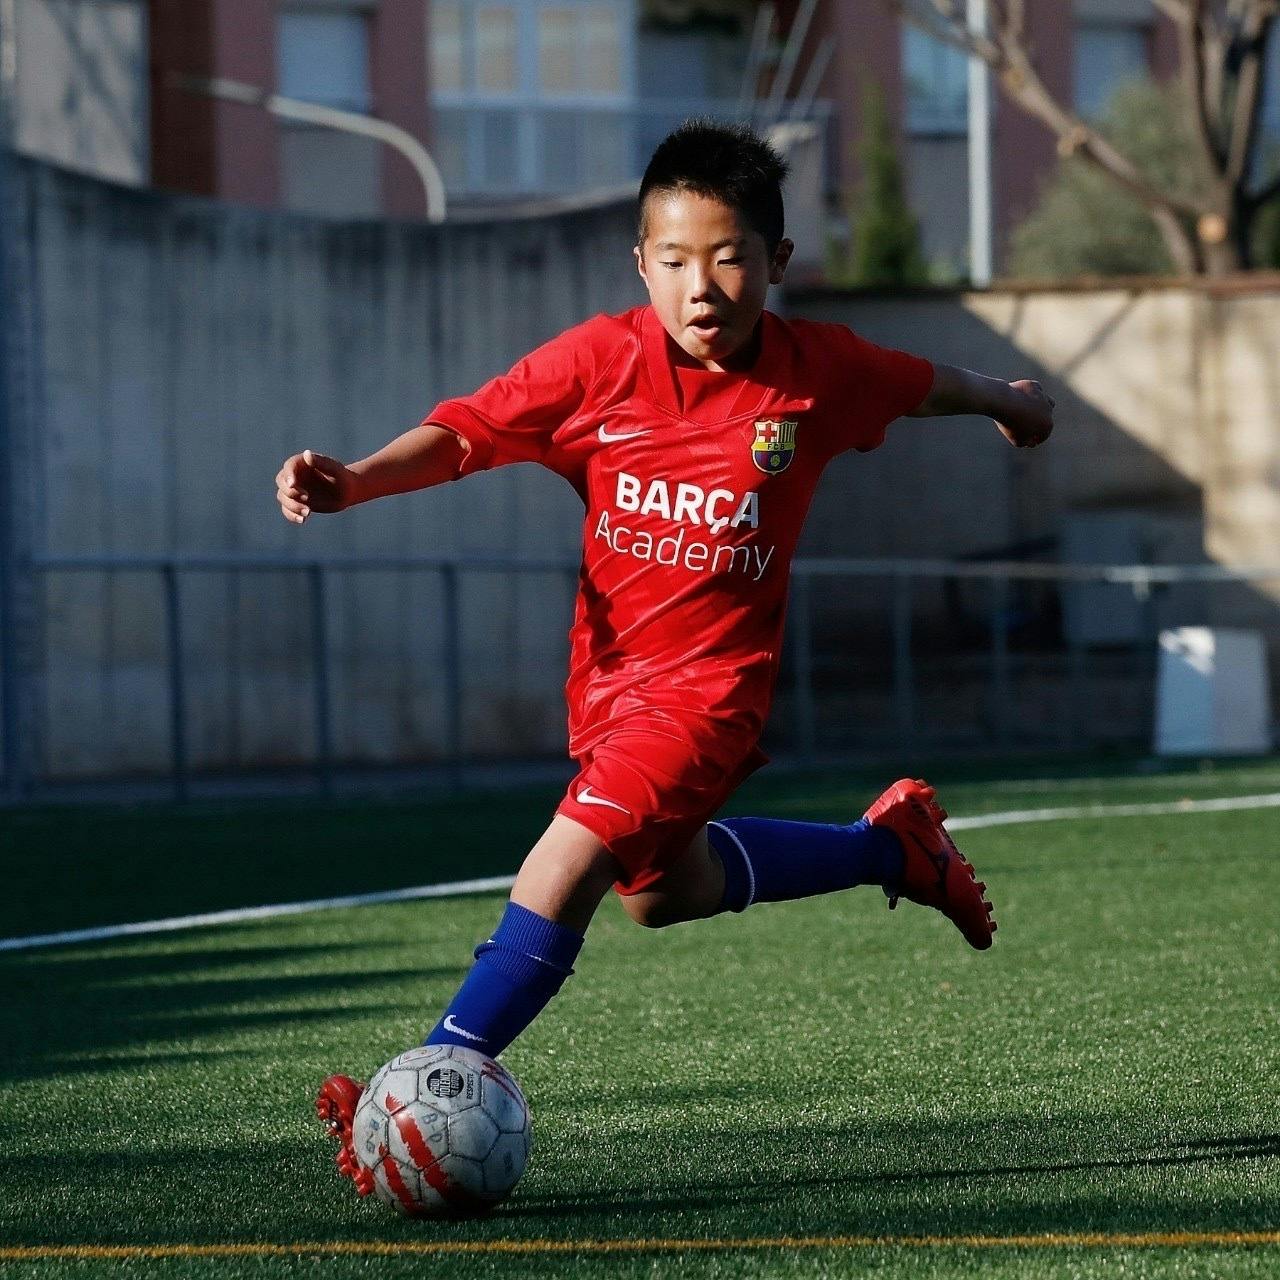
(1086,224)
(886,234)
(1221,50)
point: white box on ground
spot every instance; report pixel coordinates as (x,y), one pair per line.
(1211,693)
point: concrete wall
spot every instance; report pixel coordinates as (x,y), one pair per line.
(1168,402)
(184,348)
(1167,450)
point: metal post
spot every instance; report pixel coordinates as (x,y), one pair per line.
(802,640)
(17,578)
(903,672)
(1148,658)
(1000,699)
(452,670)
(756,51)
(1075,718)
(10,685)
(177,684)
(980,256)
(786,69)
(320,657)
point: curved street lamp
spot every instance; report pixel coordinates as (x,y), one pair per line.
(392,135)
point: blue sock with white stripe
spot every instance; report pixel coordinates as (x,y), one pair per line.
(771,860)
(516,972)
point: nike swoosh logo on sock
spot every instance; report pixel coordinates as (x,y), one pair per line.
(453,1029)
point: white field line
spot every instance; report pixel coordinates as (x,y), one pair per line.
(237,915)
(1222,805)
(458,888)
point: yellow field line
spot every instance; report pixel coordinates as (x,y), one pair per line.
(389,1248)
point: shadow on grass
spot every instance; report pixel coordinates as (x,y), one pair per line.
(701,1197)
(287,1189)
(76,1013)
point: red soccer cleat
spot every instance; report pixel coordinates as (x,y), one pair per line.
(336,1106)
(936,874)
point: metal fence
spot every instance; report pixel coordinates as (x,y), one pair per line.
(530,147)
(881,655)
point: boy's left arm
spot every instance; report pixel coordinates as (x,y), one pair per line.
(1023,412)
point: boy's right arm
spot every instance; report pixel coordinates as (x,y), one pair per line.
(425,456)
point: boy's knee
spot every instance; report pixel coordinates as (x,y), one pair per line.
(656,910)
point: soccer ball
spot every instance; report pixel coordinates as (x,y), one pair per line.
(443,1130)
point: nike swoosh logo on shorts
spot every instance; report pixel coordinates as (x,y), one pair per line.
(606,435)
(585,797)
(453,1029)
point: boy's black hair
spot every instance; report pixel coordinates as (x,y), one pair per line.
(727,162)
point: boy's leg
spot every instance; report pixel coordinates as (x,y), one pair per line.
(791,860)
(899,844)
(532,950)
(566,874)
(691,888)
(517,971)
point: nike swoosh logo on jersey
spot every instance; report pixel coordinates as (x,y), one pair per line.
(585,797)
(453,1028)
(606,435)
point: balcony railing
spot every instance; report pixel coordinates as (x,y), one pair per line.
(504,150)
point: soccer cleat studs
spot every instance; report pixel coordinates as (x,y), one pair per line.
(336,1106)
(935,873)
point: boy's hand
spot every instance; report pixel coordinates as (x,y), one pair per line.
(1027,418)
(313,482)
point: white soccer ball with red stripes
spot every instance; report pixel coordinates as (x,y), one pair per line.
(443,1130)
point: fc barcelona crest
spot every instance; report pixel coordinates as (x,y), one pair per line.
(774,445)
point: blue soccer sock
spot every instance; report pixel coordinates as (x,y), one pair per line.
(770,860)
(516,972)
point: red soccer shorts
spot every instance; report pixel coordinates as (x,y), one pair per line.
(648,785)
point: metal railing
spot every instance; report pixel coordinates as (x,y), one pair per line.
(1145,582)
(806,683)
(531,146)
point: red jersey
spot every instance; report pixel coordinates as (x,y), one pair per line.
(696,485)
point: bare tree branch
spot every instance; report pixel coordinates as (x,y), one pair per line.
(1248,105)
(1007,54)
(1015,21)
(1212,38)
(1191,48)
(1221,45)
(1178,11)
(952,28)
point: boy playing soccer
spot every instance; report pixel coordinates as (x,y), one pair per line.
(695,430)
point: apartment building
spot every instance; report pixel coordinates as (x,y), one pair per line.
(521,98)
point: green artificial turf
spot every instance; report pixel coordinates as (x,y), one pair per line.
(815,1069)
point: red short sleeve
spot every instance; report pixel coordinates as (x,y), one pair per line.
(513,417)
(877,384)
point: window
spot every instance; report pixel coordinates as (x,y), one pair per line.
(532,95)
(497,70)
(557,48)
(445,50)
(323,57)
(601,50)
(936,83)
(580,50)
(556,72)
(1107,56)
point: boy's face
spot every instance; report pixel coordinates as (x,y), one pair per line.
(707,272)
